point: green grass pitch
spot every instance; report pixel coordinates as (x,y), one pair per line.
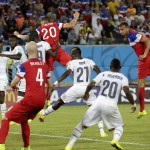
(55,132)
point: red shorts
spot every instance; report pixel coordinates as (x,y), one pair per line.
(144,68)
(62,57)
(21,111)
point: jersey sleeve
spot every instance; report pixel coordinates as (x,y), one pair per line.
(60,25)
(98,78)
(21,72)
(47,46)
(18,49)
(136,37)
(70,65)
(92,63)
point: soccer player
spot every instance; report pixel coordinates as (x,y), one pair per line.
(18,55)
(105,107)
(81,68)
(36,74)
(3,80)
(141,45)
(50,32)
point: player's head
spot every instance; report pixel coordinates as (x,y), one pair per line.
(33,36)
(115,65)
(13,41)
(124,28)
(75,52)
(1,46)
(31,49)
(44,20)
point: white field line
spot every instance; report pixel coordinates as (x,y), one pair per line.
(84,139)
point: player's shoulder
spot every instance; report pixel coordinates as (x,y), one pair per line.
(42,43)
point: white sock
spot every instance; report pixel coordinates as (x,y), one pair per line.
(118,133)
(101,127)
(48,110)
(3,109)
(76,134)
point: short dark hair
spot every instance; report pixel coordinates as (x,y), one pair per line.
(115,64)
(33,35)
(77,50)
(13,36)
(44,19)
(124,24)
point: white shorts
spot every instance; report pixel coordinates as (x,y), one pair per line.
(75,92)
(3,85)
(22,85)
(103,110)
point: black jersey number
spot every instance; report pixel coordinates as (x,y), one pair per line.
(40,55)
(80,70)
(112,89)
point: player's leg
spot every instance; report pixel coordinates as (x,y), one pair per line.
(113,121)
(25,135)
(50,109)
(63,57)
(141,97)
(101,128)
(2,102)
(89,102)
(4,132)
(143,71)
(75,135)
(95,117)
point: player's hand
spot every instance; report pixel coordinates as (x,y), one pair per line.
(133,109)
(141,57)
(16,33)
(76,15)
(86,96)
(15,88)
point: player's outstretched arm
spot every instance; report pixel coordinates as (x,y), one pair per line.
(23,37)
(145,40)
(72,23)
(96,69)
(64,76)
(17,56)
(88,89)
(130,98)
(14,82)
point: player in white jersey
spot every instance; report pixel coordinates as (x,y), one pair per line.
(3,80)
(81,68)
(18,55)
(105,107)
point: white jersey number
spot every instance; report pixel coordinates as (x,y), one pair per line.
(39,76)
(51,32)
(112,89)
(82,71)
(40,56)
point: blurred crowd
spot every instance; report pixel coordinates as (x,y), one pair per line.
(97,24)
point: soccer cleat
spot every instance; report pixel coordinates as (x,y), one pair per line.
(26,148)
(103,135)
(41,117)
(68,148)
(2,146)
(30,120)
(142,114)
(13,123)
(115,144)
(48,103)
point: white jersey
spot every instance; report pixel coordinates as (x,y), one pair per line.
(81,69)
(42,48)
(16,50)
(3,65)
(111,84)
